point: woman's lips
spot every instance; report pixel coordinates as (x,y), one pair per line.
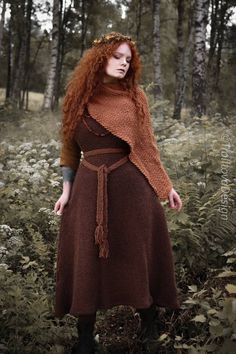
(122,70)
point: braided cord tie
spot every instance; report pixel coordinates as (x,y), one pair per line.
(101,230)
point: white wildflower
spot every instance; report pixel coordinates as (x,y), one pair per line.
(36,178)
(3,251)
(3,265)
(11,163)
(32,161)
(43,209)
(54,174)
(56,162)
(26,146)
(201,184)
(54,143)
(11,148)
(14,241)
(54,183)
(5,229)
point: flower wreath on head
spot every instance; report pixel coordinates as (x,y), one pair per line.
(112,37)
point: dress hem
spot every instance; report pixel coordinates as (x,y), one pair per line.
(109,307)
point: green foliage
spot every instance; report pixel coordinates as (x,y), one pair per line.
(28,236)
(209,313)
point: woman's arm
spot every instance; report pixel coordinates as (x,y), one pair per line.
(69,161)
(68,177)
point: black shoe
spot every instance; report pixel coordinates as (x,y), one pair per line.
(86,344)
(148,329)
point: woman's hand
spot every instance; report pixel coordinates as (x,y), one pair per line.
(63,200)
(61,203)
(174,200)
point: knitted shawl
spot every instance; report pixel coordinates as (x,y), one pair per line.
(112,107)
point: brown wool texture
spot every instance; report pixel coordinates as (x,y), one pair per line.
(114,109)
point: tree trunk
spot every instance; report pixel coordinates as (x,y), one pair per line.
(199,58)
(224,17)
(23,28)
(31,68)
(213,32)
(182,70)
(157,90)
(9,62)
(48,102)
(19,47)
(219,18)
(138,19)
(60,57)
(180,60)
(83,27)
(2,21)
(27,54)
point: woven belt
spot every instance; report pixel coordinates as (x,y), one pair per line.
(101,230)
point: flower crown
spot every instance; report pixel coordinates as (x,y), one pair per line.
(112,37)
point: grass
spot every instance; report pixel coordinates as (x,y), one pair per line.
(35,100)
(29,125)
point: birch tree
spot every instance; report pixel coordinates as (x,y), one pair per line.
(199,58)
(48,102)
(2,21)
(182,70)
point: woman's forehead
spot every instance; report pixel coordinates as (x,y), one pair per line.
(123,49)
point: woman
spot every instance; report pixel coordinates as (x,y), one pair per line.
(114,246)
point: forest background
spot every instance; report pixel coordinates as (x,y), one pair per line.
(188,55)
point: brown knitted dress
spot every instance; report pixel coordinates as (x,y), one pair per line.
(139,269)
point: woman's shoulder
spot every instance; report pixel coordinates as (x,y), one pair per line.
(141,93)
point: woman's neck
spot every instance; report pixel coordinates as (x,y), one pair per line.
(110,80)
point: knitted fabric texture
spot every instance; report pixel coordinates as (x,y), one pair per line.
(112,107)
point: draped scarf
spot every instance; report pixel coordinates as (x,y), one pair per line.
(113,108)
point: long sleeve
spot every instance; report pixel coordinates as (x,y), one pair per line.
(70,153)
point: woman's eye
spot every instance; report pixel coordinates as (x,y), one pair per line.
(116,57)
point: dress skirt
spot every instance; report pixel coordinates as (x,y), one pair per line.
(140,269)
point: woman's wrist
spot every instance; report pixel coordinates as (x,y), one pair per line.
(66,188)
(68,174)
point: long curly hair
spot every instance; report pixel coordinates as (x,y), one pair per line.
(89,73)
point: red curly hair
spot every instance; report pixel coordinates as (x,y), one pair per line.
(89,73)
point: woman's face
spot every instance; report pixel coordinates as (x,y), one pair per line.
(118,64)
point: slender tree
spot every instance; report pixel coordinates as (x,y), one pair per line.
(139,10)
(2,21)
(157,90)
(19,34)
(9,60)
(199,58)
(214,6)
(225,13)
(182,70)
(48,102)
(26,63)
(220,10)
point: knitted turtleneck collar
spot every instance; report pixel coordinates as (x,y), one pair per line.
(113,86)
(113,108)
